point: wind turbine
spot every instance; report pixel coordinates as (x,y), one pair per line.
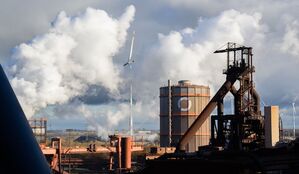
(294,123)
(130,61)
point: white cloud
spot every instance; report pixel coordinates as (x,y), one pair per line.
(290,42)
(183,51)
(189,55)
(77,52)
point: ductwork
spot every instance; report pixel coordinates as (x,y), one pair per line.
(204,114)
(257,100)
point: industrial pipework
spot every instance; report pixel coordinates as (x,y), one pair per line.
(123,160)
(243,129)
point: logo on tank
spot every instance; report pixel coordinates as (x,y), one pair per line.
(184,104)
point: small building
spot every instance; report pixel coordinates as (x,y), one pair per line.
(271,125)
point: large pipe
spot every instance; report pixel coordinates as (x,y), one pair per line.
(224,89)
(205,114)
(255,96)
(257,100)
(237,98)
(20,152)
(118,151)
(59,155)
(126,156)
(234,91)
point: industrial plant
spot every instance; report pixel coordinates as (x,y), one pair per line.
(197,135)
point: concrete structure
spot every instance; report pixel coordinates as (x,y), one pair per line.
(183,102)
(271,125)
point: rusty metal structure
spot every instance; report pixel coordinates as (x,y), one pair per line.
(243,129)
(237,143)
(39,128)
(126,154)
(121,161)
(65,159)
(180,105)
(56,162)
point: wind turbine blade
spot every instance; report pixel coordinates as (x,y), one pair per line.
(131,49)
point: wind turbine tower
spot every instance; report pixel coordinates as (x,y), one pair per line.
(294,123)
(130,62)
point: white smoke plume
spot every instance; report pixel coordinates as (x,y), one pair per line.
(185,54)
(76,52)
(104,119)
(179,54)
(188,54)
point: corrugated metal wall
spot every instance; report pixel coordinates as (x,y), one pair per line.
(187,102)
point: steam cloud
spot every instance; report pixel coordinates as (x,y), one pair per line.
(77,52)
(188,54)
